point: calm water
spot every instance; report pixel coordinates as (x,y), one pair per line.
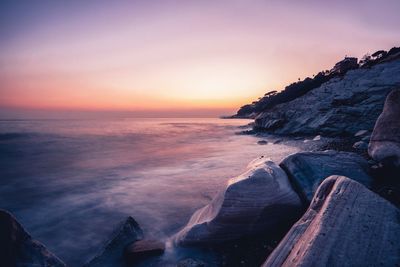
(69,182)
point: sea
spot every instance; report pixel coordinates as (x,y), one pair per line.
(70,182)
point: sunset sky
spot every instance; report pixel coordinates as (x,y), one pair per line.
(176,57)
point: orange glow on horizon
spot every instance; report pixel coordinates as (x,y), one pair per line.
(192,55)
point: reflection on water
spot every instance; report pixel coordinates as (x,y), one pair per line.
(69,182)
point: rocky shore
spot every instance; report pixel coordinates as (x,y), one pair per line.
(358,97)
(317,208)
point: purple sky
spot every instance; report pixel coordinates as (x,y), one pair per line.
(170,57)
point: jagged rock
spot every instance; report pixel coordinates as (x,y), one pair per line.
(127,232)
(307,170)
(360,145)
(317,138)
(262,142)
(143,249)
(258,201)
(385,140)
(366,138)
(17,248)
(336,106)
(361,133)
(345,225)
(273,124)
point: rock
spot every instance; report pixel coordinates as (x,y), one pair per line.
(127,232)
(361,133)
(345,225)
(273,124)
(277,141)
(191,263)
(249,125)
(385,140)
(246,132)
(262,142)
(360,145)
(366,138)
(259,201)
(143,249)
(307,170)
(17,248)
(335,108)
(317,138)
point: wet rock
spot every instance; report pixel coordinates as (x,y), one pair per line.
(17,248)
(385,140)
(317,138)
(361,133)
(366,138)
(307,170)
(360,145)
(127,232)
(249,125)
(143,249)
(262,142)
(246,132)
(345,225)
(258,201)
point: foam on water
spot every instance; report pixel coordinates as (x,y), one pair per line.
(69,182)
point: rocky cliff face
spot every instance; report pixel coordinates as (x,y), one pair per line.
(340,106)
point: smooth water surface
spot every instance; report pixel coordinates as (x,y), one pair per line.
(69,182)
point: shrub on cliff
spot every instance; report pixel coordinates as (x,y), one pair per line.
(300,88)
(291,92)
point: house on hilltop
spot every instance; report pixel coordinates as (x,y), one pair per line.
(343,66)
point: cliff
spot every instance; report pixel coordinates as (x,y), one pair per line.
(300,88)
(341,106)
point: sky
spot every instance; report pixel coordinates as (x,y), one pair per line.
(175,58)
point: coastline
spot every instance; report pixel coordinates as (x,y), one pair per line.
(264,215)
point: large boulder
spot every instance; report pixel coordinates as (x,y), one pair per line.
(17,248)
(260,200)
(112,254)
(384,145)
(307,170)
(345,225)
(343,105)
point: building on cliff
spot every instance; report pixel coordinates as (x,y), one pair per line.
(343,66)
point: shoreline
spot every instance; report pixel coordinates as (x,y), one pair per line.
(338,194)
